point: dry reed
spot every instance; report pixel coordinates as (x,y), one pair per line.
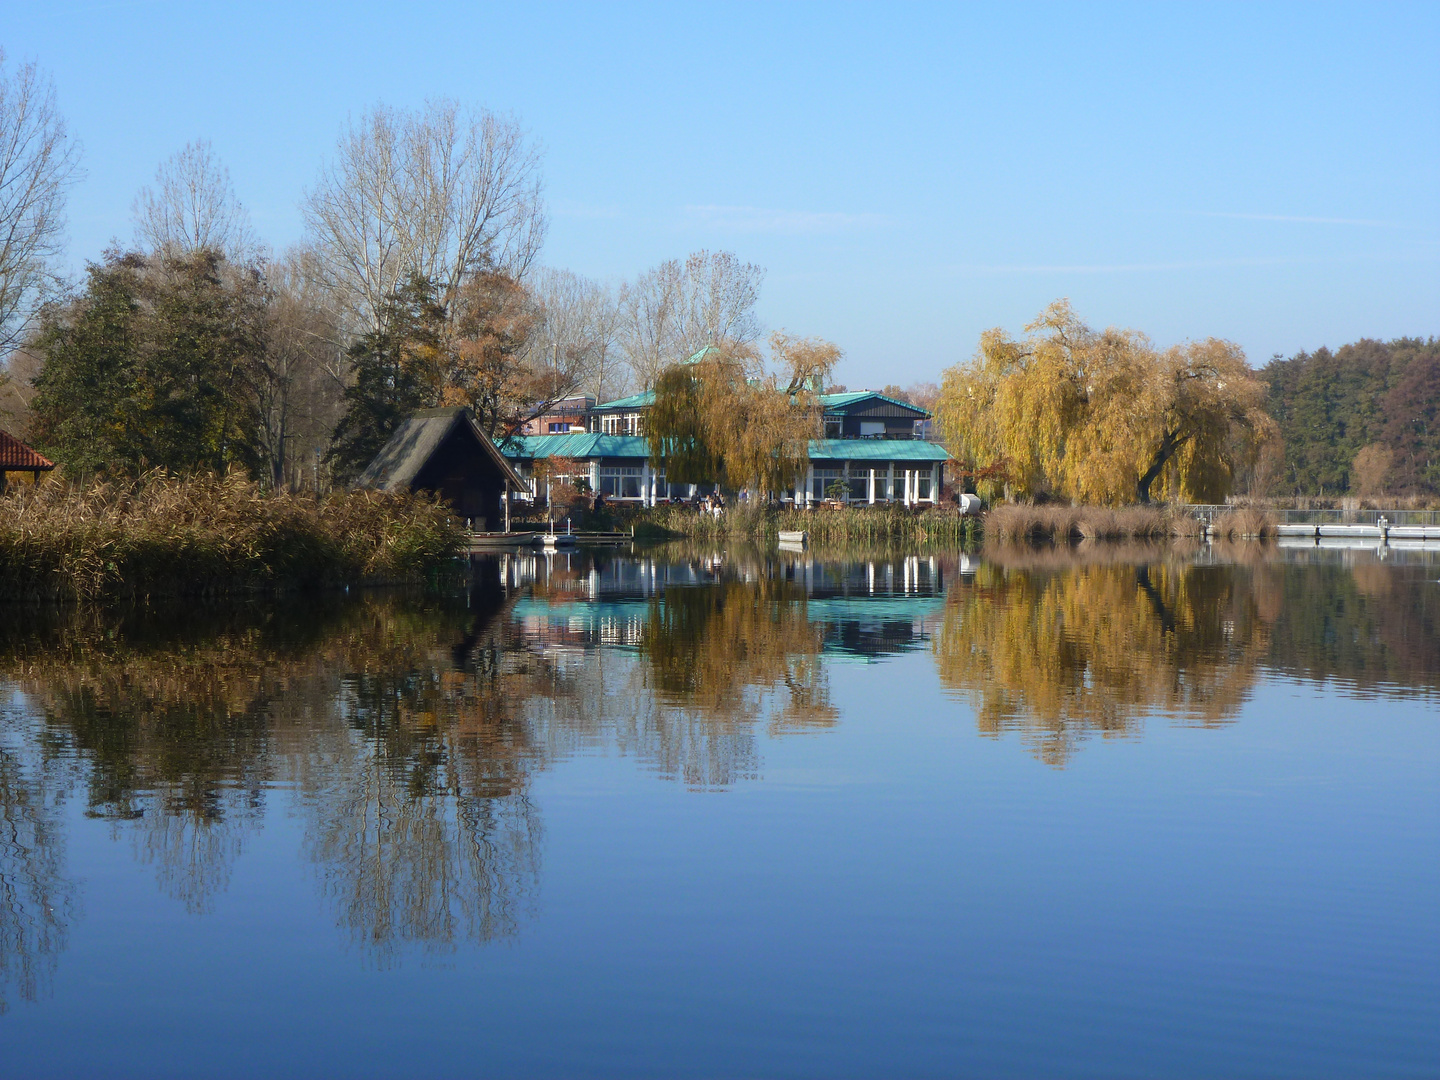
(202,535)
(1243,523)
(1055,523)
(878,525)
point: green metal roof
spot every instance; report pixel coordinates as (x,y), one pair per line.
(634,401)
(912,450)
(827,401)
(584,444)
(853,397)
(577,444)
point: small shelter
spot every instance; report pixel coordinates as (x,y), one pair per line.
(444,451)
(16,457)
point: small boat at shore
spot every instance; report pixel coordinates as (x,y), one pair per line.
(496,541)
(791,536)
(556,541)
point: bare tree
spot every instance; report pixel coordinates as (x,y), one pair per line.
(298,379)
(38,162)
(193,206)
(674,310)
(443,193)
(720,295)
(577,330)
(651,307)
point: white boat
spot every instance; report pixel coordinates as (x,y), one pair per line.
(790,536)
(555,541)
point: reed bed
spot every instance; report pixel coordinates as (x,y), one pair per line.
(1244,523)
(1054,523)
(872,526)
(207,535)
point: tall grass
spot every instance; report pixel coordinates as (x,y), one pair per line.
(1245,522)
(876,525)
(1012,523)
(208,535)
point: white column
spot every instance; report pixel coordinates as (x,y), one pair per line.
(872,499)
(935,484)
(645,482)
(809,485)
(890,482)
(595,478)
(845,475)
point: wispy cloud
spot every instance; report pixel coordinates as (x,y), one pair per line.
(755,219)
(1114,268)
(1298,220)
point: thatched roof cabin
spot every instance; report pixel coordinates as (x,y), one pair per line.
(444,451)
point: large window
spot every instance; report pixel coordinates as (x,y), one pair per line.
(822,481)
(859,484)
(922,487)
(620,482)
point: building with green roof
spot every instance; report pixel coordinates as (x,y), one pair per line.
(870,454)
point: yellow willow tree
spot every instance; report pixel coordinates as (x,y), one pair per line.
(1103,416)
(723,416)
(1059,655)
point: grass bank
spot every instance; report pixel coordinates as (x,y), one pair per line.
(163,535)
(879,525)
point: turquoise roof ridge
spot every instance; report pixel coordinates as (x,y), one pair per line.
(588,444)
(829,401)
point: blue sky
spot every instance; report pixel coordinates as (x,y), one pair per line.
(908,174)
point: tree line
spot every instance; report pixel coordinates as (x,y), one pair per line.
(418,283)
(1363,420)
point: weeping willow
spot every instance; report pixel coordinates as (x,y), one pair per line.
(1104,416)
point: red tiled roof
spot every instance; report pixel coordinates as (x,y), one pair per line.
(16,456)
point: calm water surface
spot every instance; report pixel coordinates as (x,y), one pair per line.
(717,813)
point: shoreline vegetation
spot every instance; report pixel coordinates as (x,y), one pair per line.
(1009,523)
(207,535)
(879,525)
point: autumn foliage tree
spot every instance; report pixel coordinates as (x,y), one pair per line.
(1104,416)
(724,416)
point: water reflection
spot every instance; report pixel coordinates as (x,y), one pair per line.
(406,733)
(37,900)
(1059,654)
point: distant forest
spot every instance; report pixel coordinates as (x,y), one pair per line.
(1362,420)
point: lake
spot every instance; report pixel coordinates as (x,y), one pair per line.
(705,812)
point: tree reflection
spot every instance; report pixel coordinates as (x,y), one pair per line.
(1354,617)
(36,899)
(717,658)
(409,733)
(420,819)
(175,746)
(1059,654)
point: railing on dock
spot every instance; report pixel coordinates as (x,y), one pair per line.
(1426,518)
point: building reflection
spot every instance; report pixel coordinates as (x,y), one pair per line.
(408,732)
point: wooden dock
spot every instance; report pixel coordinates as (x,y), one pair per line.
(481,543)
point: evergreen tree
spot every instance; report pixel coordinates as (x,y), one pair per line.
(394,368)
(151,366)
(1369,394)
